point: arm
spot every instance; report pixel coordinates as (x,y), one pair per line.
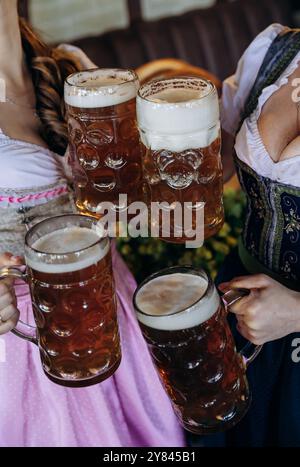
(226,154)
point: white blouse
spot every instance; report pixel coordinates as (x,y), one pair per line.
(25,165)
(249,146)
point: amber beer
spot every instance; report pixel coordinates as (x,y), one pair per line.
(105,153)
(179,127)
(70,276)
(184,323)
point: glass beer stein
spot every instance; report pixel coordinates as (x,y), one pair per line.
(70,276)
(184,323)
(105,153)
(178,120)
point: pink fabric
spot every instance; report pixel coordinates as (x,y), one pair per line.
(129,409)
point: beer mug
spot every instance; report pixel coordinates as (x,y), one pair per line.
(184,323)
(179,125)
(69,273)
(105,152)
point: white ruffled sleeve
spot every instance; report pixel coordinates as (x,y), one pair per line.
(236,88)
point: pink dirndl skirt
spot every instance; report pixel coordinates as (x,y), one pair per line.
(129,409)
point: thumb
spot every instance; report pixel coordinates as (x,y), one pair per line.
(255,281)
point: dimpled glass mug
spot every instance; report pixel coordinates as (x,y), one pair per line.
(183,321)
(179,124)
(104,139)
(69,273)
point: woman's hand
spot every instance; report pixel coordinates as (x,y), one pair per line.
(269,312)
(9,313)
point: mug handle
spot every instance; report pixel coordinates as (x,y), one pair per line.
(250,351)
(23,330)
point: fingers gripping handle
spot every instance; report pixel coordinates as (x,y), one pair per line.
(23,330)
(250,351)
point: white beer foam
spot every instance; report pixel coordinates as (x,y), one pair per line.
(177,118)
(162,299)
(68,241)
(100,88)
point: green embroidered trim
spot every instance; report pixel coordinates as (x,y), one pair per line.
(265,233)
(278,230)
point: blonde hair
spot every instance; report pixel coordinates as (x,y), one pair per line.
(49,67)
